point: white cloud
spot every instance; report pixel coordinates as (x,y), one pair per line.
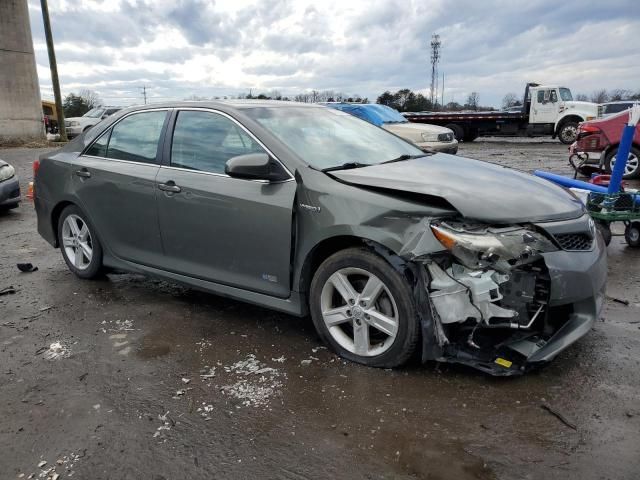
(183,47)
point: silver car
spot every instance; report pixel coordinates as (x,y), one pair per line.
(308,210)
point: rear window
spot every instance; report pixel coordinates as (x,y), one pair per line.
(136,137)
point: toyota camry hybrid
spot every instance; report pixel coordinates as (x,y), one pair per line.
(394,253)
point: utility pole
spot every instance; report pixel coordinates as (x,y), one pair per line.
(54,70)
(144,93)
(435,58)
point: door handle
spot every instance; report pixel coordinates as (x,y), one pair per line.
(170,186)
(83,172)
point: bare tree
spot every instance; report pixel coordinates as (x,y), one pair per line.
(600,96)
(619,94)
(582,97)
(90,98)
(510,100)
(473,100)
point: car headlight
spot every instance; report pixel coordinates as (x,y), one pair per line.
(74,124)
(501,248)
(429,137)
(6,172)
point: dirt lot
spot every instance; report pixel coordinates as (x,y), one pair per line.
(154,381)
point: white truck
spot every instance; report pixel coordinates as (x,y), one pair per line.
(546,110)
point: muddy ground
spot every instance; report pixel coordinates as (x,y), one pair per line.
(155,381)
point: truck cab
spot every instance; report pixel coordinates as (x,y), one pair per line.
(552,110)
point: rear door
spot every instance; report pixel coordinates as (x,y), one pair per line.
(115,182)
(226,230)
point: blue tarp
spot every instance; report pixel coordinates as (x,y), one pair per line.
(371,112)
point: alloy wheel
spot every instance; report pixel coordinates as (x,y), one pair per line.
(569,133)
(359,312)
(632,164)
(76,241)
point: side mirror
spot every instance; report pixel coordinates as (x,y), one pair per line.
(255,166)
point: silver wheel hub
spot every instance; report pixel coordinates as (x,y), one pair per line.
(631,166)
(359,312)
(77,242)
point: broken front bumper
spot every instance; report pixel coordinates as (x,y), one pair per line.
(576,288)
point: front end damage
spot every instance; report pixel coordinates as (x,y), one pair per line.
(505,299)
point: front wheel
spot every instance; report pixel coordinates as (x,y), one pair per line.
(632,234)
(631,169)
(568,132)
(79,243)
(363,309)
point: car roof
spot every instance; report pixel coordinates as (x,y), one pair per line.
(224,105)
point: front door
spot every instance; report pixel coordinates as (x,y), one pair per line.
(115,181)
(226,230)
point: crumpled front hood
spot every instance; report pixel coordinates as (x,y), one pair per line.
(478,190)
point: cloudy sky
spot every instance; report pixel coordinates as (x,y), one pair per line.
(179,48)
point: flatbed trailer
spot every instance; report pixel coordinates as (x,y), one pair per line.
(545,111)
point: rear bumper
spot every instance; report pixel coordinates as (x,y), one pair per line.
(44,212)
(10,192)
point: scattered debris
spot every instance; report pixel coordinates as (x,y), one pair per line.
(618,300)
(185,380)
(305,362)
(257,390)
(210,373)
(167,423)
(42,463)
(27,267)
(279,359)
(56,351)
(558,415)
(7,291)
(315,349)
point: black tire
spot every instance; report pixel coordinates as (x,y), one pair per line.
(470,135)
(94,267)
(408,330)
(568,132)
(632,234)
(633,154)
(458,131)
(605,230)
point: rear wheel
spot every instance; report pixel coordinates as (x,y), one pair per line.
(631,170)
(458,131)
(605,230)
(632,234)
(568,132)
(79,244)
(364,309)
(471,135)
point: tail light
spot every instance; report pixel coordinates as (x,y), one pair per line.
(589,138)
(31,190)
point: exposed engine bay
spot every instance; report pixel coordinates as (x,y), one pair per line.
(489,294)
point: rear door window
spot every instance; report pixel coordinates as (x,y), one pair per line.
(136,137)
(204,141)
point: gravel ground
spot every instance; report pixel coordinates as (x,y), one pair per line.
(133,378)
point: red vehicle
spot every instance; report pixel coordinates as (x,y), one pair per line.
(599,139)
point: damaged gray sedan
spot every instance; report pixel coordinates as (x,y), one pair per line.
(307,210)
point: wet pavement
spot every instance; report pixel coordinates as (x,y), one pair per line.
(133,378)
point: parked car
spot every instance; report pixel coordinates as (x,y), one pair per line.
(306,209)
(77,125)
(611,108)
(427,137)
(599,139)
(9,187)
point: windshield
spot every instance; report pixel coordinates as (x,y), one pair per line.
(326,138)
(94,112)
(565,94)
